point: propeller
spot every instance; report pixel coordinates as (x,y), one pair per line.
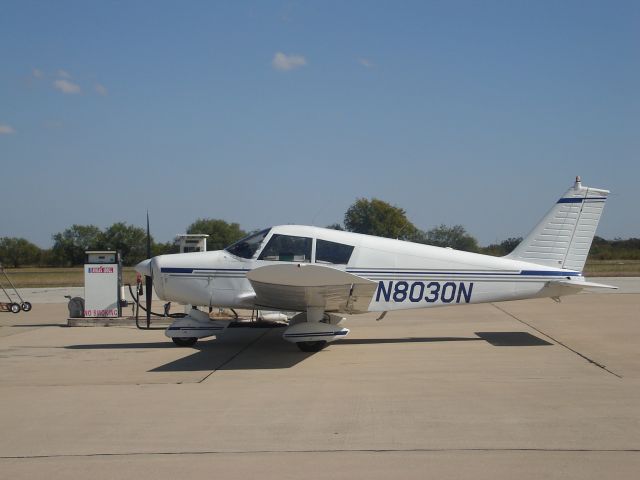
(148,278)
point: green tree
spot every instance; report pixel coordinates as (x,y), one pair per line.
(616,249)
(48,258)
(335,226)
(510,244)
(129,240)
(69,246)
(221,233)
(454,237)
(503,248)
(376,217)
(18,252)
(164,248)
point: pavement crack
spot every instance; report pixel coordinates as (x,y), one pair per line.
(590,360)
(324,451)
(234,356)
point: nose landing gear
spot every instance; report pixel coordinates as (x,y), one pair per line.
(315,346)
(185,341)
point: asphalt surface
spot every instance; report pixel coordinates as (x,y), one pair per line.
(528,389)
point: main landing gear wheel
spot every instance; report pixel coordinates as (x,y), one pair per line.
(26,306)
(312,346)
(15,308)
(185,341)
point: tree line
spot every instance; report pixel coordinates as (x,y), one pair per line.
(368,216)
(70,245)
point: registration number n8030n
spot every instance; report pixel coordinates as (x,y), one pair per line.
(429,292)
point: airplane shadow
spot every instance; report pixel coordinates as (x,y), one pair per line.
(512,339)
(248,348)
(39,325)
(270,352)
(256,349)
(121,346)
(497,339)
(376,341)
(264,352)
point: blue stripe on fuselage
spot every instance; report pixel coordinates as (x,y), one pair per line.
(541,273)
(191,270)
(544,273)
(176,270)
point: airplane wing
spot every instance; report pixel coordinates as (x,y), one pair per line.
(298,286)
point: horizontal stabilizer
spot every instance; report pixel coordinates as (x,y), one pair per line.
(583,285)
(559,288)
(300,286)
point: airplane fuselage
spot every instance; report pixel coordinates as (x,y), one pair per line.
(408,275)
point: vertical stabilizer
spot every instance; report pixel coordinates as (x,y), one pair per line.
(563,237)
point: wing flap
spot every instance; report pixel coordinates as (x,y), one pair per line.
(299,286)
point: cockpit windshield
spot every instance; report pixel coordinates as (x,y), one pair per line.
(247,246)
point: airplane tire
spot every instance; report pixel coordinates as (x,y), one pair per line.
(185,341)
(15,308)
(312,346)
(26,306)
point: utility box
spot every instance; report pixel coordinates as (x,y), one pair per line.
(192,242)
(102,280)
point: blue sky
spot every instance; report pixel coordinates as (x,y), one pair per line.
(477,113)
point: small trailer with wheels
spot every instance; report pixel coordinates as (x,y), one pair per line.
(12,306)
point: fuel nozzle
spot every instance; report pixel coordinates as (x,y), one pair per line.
(139,284)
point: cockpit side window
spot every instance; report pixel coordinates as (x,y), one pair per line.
(332,252)
(287,248)
(248,246)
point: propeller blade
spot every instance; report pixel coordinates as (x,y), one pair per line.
(148,237)
(148,292)
(148,278)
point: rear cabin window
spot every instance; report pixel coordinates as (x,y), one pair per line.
(287,248)
(332,252)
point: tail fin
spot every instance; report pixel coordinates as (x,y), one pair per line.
(563,237)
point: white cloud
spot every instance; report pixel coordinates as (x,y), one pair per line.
(6,129)
(101,89)
(63,74)
(284,62)
(365,62)
(37,73)
(65,86)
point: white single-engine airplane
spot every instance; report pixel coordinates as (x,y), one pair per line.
(323,273)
